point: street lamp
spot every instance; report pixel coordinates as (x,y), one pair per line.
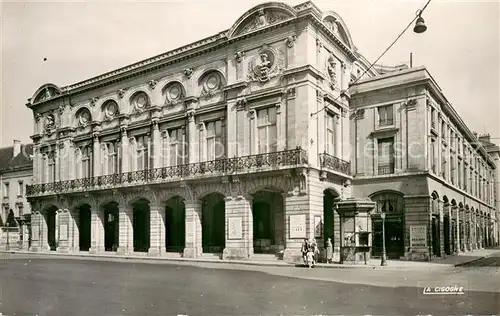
(7,247)
(420,26)
(384,259)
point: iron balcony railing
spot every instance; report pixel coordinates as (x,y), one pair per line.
(287,158)
(386,169)
(334,163)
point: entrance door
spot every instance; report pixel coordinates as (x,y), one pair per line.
(394,243)
(435,236)
(111,230)
(51,229)
(447,248)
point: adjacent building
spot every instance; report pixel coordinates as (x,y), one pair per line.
(242,144)
(16,171)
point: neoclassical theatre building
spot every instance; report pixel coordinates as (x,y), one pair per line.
(242,144)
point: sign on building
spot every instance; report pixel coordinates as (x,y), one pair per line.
(418,236)
(235,228)
(297,226)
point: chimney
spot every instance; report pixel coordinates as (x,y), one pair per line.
(485,138)
(17,147)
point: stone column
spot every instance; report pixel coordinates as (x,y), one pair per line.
(252,115)
(191,137)
(157,230)
(97,230)
(447,213)
(57,164)
(297,225)
(441,229)
(157,153)
(239,228)
(338,137)
(202,142)
(75,229)
(456,213)
(345,136)
(126,230)
(280,141)
(193,237)
(64,228)
(468,224)
(462,230)
(37,241)
(124,150)
(96,159)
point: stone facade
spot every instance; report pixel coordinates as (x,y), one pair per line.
(437,165)
(15,174)
(237,145)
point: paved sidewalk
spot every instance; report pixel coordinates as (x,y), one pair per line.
(448,262)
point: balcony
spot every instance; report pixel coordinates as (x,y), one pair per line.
(220,167)
(333,163)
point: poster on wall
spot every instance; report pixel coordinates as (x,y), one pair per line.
(63,232)
(35,232)
(318,226)
(418,236)
(297,226)
(235,228)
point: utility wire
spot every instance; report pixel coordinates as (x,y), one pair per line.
(372,64)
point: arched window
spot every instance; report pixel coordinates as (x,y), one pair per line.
(388,202)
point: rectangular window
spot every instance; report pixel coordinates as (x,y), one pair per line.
(443,130)
(433,118)
(215,141)
(20,210)
(465,176)
(385,115)
(459,173)
(142,152)
(267,130)
(86,153)
(330,133)
(176,147)
(386,156)
(112,153)
(452,169)
(20,188)
(443,163)
(471,187)
(6,189)
(52,167)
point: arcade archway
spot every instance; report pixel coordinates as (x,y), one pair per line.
(213,222)
(268,221)
(84,227)
(51,220)
(111,226)
(141,225)
(175,227)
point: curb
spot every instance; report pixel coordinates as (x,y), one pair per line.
(220,261)
(475,260)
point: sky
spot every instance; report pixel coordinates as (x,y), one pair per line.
(86,38)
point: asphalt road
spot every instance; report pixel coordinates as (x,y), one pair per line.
(66,287)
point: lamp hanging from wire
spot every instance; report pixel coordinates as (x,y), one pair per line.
(420,26)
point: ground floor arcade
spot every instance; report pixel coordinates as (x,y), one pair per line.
(248,217)
(231,218)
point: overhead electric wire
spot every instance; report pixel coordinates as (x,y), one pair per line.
(342,92)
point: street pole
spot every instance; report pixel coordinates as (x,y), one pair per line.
(384,259)
(7,247)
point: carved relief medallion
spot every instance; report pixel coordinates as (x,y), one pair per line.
(267,63)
